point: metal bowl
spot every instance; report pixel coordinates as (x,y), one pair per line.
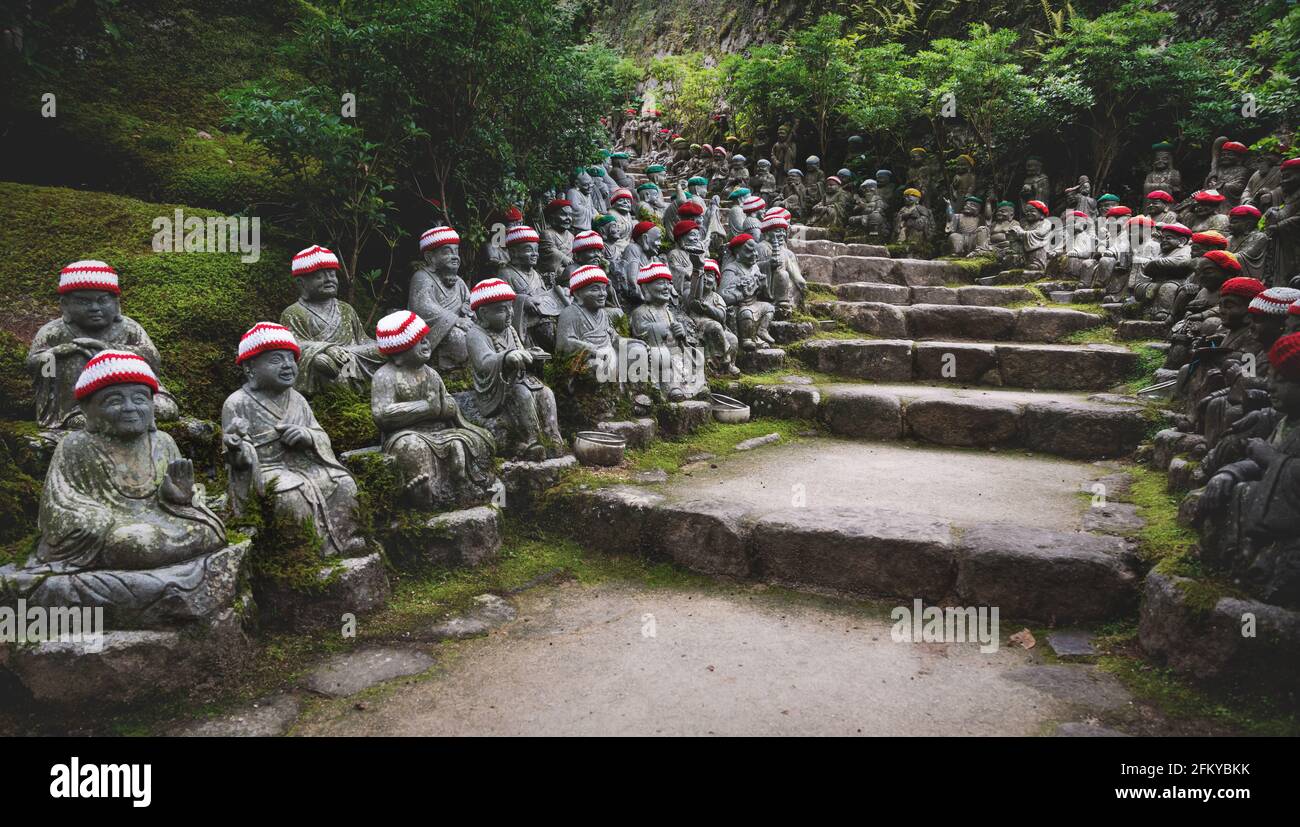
(599,448)
(728,410)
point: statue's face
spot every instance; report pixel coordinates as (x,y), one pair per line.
(587,255)
(1233,309)
(764,165)
(418,354)
(524,255)
(1229,159)
(776,237)
(659,291)
(584,184)
(708,282)
(1085,187)
(1170,241)
(273,370)
(1005,214)
(1242,224)
(1208,274)
(917,157)
(650,240)
(813,166)
(319,286)
(1285,394)
(910,200)
(747,253)
(831,186)
(562,219)
(1204,208)
(1163,159)
(495,316)
(692,241)
(1033,167)
(90,309)
(970,208)
(1154,207)
(885,177)
(120,410)
(1266,328)
(592,296)
(622,205)
(445,261)
(656,199)
(697,189)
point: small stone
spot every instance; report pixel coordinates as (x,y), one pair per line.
(1113,518)
(758,441)
(268,717)
(1071,643)
(652,477)
(344,675)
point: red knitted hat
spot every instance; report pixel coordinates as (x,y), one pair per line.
(739,240)
(400,331)
(1118,212)
(438,237)
(88,275)
(1175,227)
(265,336)
(588,240)
(1241,286)
(1040,206)
(681,228)
(622,192)
(1235,146)
(488,291)
(521,235)
(558,203)
(1210,238)
(1245,209)
(711,266)
(585,275)
(691,209)
(314,258)
(654,270)
(1291,163)
(641,228)
(114,367)
(1209,197)
(1284,357)
(1224,260)
(1160,195)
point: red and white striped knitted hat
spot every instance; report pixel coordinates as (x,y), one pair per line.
(400,331)
(114,367)
(314,258)
(773,219)
(588,240)
(711,266)
(1294,309)
(265,336)
(489,291)
(1275,301)
(521,235)
(88,275)
(585,275)
(654,270)
(438,237)
(835,178)
(750,203)
(622,192)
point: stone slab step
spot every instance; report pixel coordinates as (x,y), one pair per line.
(1037,366)
(1011,277)
(1136,330)
(825,247)
(944,321)
(1029,573)
(910,272)
(762,360)
(974,295)
(1064,424)
(787,332)
(1079,296)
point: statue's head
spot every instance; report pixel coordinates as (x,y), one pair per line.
(697,185)
(709,276)
(492,301)
(1268,313)
(917,154)
(970,207)
(1284,375)
(1172,236)
(1084,185)
(911,196)
(764,165)
(521,246)
(688,236)
(593,296)
(583,182)
(1209,274)
(1164,157)
(647,235)
(783,131)
(1243,219)
(813,163)
(268,354)
(1034,165)
(833,184)
(403,339)
(440,248)
(1006,211)
(855,143)
(1291,176)
(745,248)
(656,283)
(559,215)
(1236,293)
(1232,154)
(1207,203)
(89,295)
(115,391)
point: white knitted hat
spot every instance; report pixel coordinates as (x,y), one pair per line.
(654,270)
(1275,301)
(521,235)
(489,291)
(88,275)
(588,240)
(314,258)
(438,237)
(114,367)
(400,331)
(750,203)
(265,336)
(585,275)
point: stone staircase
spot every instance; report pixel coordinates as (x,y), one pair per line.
(942,364)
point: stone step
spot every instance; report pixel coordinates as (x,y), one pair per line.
(975,295)
(908,272)
(786,332)
(825,247)
(1078,296)
(1029,573)
(941,321)
(1011,277)
(1037,366)
(1136,330)
(1065,424)
(763,360)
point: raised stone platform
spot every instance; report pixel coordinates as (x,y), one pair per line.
(824,247)
(907,272)
(348,586)
(946,321)
(975,295)
(469,537)
(525,482)
(1057,367)
(762,360)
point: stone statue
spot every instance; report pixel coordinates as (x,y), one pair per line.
(1230,173)
(274,443)
(1282,224)
(737,173)
(743,289)
(1254,504)
(584,329)
(619,236)
(1036,186)
(868,212)
(709,313)
(794,195)
(554,250)
(921,172)
(1038,234)
(786,286)
(121,525)
(643,250)
(1206,212)
(1163,176)
(814,180)
(686,258)
(856,160)
(495,255)
(763,183)
(913,224)
(439,296)
(442,459)
(1080,246)
(652,200)
(676,360)
(1079,197)
(967,231)
(1156,285)
(834,209)
(513,404)
(618,170)
(785,156)
(582,201)
(964,181)
(539,302)
(335,347)
(92,321)
(1159,207)
(1262,188)
(885,186)
(1007,237)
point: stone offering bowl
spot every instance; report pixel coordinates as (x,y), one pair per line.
(599,448)
(728,410)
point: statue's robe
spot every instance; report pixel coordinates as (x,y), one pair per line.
(1231,181)
(869,214)
(442,307)
(1158,282)
(784,157)
(969,233)
(1262,188)
(1170,180)
(1038,239)
(111,542)
(683,269)
(673,366)
(338,326)
(555,251)
(550,300)
(786,285)
(744,290)
(1035,188)
(56,377)
(1251,249)
(310,483)
(763,184)
(456,453)
(584,207)
(629,269)
(1283,261)
(709,314)
(1079,260)
(510,402)
(592,334)
(914,224)
(621,235)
